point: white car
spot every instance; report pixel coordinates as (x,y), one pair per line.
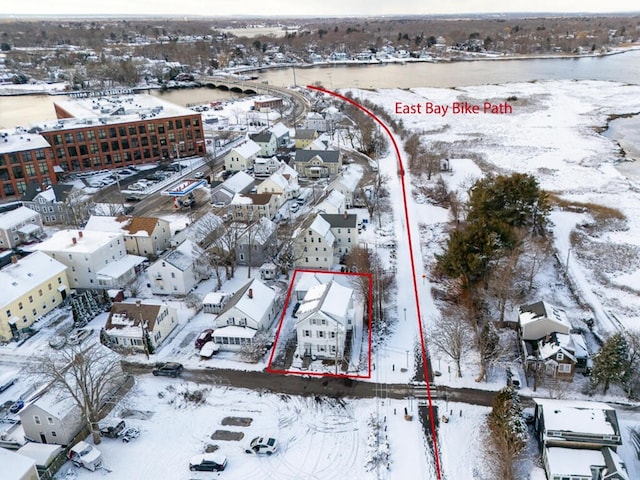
(262,445)
(78,336)
(199,175)
(85,455)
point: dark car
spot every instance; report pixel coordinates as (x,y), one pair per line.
(113,431)
(17,406)
(168,369)
(131,198)
(208,462)
(203,338)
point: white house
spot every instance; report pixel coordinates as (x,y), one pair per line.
(201,232)
(51,419)
(143,236)
(214,302)
(582,464)
(17,467)
(241,182)
(285,185)
(304,281)
(347,183)
(177,271)
(242,156)
(316,121)
(541,319)
(314,243)
(267,142)
(263,167)
(250,207)
(18,226)
(333,203)
(323,320)
(251,309)
(317,163)
(94,259)
(129,323)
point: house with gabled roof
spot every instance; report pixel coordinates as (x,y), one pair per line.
(203,232)
(19,226)
(251,309)
(317,163)
(282,134)
(580,464)
(304,137)
(540,319)
(283,184)
(313,244)
(267,142)
(178,271)
(50,203)
(129,323)
(347,184)
(16,466)
(324,318)
(265,166)
(51,419)
(249,207)
(241,157)
(241,182)
(333,202)
(144,236)
(31,287)
(94,259)
(257,244)
(344,227)
(316,121)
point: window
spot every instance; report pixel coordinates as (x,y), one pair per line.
(306,333)
(560,356)
(320,333)
(36,419)
(19,305)
(50,420)
(564,368)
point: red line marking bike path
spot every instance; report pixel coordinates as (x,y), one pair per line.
(411,256)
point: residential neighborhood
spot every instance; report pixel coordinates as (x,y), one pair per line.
(366,247)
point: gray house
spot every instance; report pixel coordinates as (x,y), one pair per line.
(257,243)
(50,419)
(50,203)
(317,163)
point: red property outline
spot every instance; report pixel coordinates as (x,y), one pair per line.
(284,310)
(425,361)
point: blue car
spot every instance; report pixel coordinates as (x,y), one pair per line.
(17,406)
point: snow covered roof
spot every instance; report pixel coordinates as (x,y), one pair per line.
(332,156)
(124,318)
(578,416)
(262,297)
(349,179)
(116,269)
(287,170)
(87,241)
(571,462)
(247,150)
(560,343)
(279,180)
(252,198)
(19,278)
(279,130)
(259,232)
(306,280)
(183,256)
(234,331)
(135,226)
(541,310)
(322,228)
(41,453)
(15,465)
(52,402)
(330,299)
(213,298)
(114,109)
(13,217)
(334,201)
(238,182)
(18,140)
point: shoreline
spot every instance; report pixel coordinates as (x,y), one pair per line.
(21,91)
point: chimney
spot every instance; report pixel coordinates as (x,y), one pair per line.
(251,293)
(80,233)
(14,259)
(74,240)
(345,214)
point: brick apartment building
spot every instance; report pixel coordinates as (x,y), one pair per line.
(96,133)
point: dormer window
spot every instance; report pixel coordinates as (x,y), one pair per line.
(560,356)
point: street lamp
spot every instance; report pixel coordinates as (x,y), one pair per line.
(405,314)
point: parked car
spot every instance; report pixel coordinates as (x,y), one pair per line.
(85,455)
(113,431)
(204,337)
(129,434)
(294,207)
(78,336)
(208,462)
(199,175)
(16,406)
(262,445)
(219,205)
(209,349)
(168,369)
(132,198)
(57,342)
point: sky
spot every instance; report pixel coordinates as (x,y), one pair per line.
(296,7)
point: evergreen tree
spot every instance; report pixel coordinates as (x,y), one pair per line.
(611,362)
(508,431)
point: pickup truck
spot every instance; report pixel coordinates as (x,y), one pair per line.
(112,431)
(85,455)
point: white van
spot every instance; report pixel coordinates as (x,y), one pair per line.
(85,455)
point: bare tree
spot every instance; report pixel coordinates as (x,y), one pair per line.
(255,350)
(503,279)
(451,335)
(77,205)
(89,376)
(537,252)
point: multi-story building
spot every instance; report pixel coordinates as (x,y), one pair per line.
(24,158)
(53,203)
(18,226)
(322,240)
(144,236)
(317,163)
(31,288)
(253,206)
(95,259)
(95,133)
